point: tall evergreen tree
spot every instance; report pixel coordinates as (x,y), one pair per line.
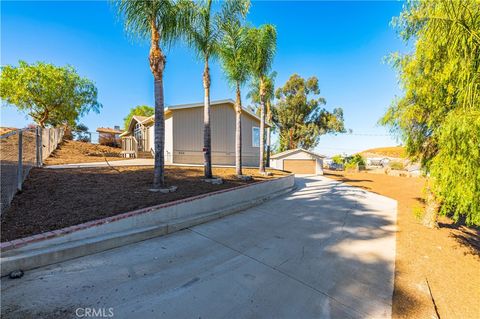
(299,114)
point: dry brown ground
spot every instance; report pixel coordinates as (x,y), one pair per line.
(391,151)
(70,152)
(56,198)
(448,257)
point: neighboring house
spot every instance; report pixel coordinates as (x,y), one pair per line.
(377,161)
(109,136)
(298,161)
(184,135)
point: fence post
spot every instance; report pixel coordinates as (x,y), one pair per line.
(49,138)
(39,152)
(20,161)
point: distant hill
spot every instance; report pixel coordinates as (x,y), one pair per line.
(5,130)
(392,151)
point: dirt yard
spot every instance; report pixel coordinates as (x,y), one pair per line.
(58,198)
(393,151)
(445,261)
(70,152)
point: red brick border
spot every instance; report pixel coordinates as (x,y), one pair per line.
(67,230)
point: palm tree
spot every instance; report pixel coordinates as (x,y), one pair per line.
(264,41)
(233,54)
(254,95)
(162,22)
(204,36)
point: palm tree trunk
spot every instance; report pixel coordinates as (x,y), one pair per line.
(207,138)
(269,119)
(157,66)
(159,173)
(238,132)
(267,160)
(262,127)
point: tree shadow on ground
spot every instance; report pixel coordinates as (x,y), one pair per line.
(468,236)
(315,257)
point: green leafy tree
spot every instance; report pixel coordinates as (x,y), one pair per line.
(299,114)
(263,47)
(355,161)
(438,117)
(234,48)
(161,22)
(204,36)
(51,95)
(141,110)
(338,159)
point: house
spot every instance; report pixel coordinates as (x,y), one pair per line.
(298,161)
(109,136)
(184,135)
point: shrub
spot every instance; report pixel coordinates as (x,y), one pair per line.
(356,159)
(396,165)
(337,159)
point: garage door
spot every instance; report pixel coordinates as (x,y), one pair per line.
(298,166)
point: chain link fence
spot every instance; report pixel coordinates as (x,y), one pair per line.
(20,150)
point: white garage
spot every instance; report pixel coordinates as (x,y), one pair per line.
(298,161)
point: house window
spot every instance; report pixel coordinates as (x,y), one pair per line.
(255,136)
(138,131)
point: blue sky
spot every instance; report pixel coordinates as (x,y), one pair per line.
(341,43)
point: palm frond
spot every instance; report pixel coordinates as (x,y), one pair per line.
(264,42)
(170,17)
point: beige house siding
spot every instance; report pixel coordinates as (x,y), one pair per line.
(188,136)
(168,138)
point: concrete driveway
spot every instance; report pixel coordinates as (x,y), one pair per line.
(325,251)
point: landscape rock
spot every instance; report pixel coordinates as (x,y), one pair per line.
(16,274)
(245,178)
(214,181)
(167,190)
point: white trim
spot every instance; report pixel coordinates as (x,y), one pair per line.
(253,136)
(296,150)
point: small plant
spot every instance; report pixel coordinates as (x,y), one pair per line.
(418,212)
(357,159)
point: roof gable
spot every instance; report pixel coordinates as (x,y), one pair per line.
(293,151)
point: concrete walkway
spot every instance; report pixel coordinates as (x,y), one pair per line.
(126,162)
(324,251)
